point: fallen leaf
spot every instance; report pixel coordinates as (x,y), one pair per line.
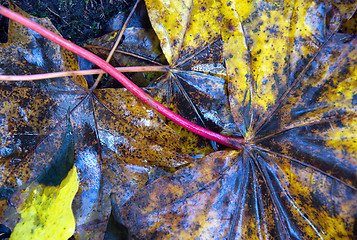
(46,211)
(292,93)
(139,47)
(180,89)
(200,98)
(195,85)
(117,139)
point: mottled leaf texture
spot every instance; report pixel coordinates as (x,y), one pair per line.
(118,141)
(292,92)
(46,211)
(139,47)
(194,87)
(191,41)
(350,26)
(196,59)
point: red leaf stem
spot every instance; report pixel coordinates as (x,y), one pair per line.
(228,141)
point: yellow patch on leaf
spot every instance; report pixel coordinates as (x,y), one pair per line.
(343,138)
(183,26)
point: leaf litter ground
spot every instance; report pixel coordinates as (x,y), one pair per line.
(291,93)
(105,130)
(291,90)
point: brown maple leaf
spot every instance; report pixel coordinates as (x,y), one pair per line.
(291,80)
(117,139)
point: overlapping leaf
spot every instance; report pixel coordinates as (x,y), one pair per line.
(46,209)
(292,91)
(350,26)
(140,47)
(191,41)
(195,85)
(180,89)
(117,139)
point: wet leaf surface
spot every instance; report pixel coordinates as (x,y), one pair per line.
(201,99)
(350,26)
(191,41)
(5,232)
(139,47)
(292,90)
(117,139)
(196,59)
(281,74)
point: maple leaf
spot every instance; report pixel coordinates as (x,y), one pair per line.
(117,139)
(176,97)
(292,93)
(195,84)
(181,88)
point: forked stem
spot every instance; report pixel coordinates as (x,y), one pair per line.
(228,141)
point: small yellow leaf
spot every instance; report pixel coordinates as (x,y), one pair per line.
(47,212)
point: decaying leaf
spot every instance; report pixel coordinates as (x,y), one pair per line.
(191,41)
(201,99)
(117,139)
(350,26)
(282,74)
(180,89)
(292,92)
(140,47)
(46,211)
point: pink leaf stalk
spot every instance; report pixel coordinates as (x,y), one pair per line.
(228,141)
(80,72)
